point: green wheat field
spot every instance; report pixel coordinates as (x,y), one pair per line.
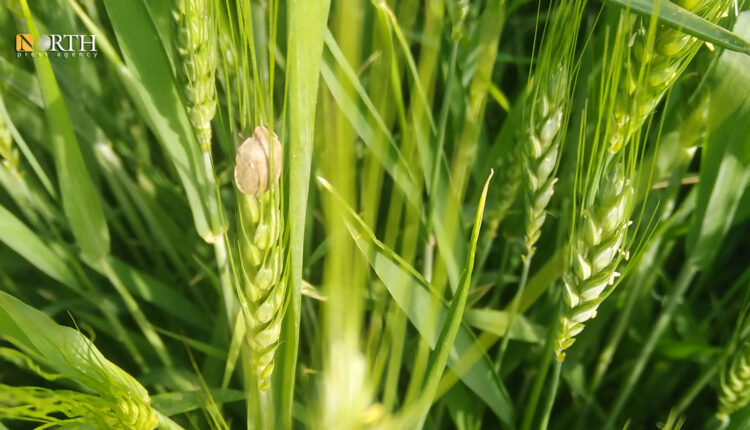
(375,214)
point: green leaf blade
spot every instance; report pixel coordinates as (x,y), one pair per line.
(681,19)
(79,197)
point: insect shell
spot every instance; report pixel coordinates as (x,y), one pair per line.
(253,166)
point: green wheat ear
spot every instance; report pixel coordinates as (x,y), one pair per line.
(197,60)
(59,407)
(652,70)
(596,250)
(540,154)
(735,383)
(262,294)
(8,152)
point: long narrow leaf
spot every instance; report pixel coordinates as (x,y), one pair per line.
(725,166)
(149,79)
(681,19)
(62,349)
(80,200)
(21,239)
(455,313)
(307,21)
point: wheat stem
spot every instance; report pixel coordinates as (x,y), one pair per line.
(681,285)
(541,376)
(514,310)
(551,395)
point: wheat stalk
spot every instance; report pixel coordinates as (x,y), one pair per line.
(596,249)
(735,383)
(256,175)
(197,61)
(652,68)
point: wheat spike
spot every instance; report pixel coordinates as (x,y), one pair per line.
(197,61)
(256,174)
(134,414)
(545,117)
(650,72)
(63,406)
(595,251)
(8,152)
(540,154)
(505,193)
(735,383)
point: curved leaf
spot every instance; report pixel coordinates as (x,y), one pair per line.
(681,19)
(725,166)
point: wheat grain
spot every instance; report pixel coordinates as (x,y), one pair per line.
(197,61)
(258,163)
(651,70)
(595,252)
(735,383)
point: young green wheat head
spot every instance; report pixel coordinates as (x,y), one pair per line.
(657,58)
(596,249)
(545,117)
(8,153)
(541,153)
(735,383)
(263,289)
(60,407)
(197,59)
